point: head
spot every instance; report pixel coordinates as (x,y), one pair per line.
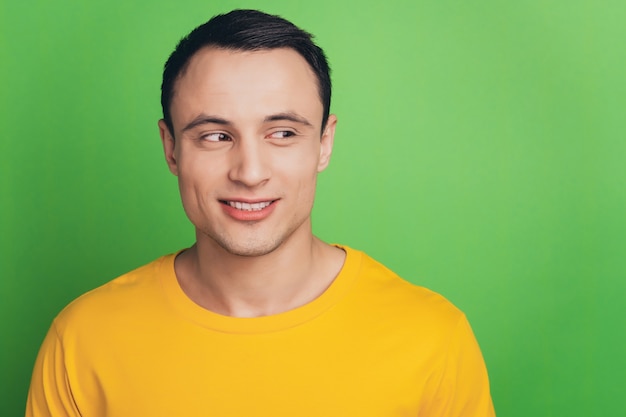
(246,130)
(245,30)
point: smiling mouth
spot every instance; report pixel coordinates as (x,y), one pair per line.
(240,205)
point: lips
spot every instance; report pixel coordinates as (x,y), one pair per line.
(248,210)
(240,205)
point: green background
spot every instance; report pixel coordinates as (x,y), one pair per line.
(480,152)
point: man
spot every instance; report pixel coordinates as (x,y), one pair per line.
(258,317)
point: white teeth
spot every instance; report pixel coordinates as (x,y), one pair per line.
(249,206)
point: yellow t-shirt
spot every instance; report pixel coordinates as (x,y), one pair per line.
(371,345)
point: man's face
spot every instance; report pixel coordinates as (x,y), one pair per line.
(248,147)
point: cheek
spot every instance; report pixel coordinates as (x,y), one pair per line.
(188,195)
(199,169)
(302,161)
(306,180)
(304,172)
(300,170)
(196,178)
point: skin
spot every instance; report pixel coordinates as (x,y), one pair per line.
(247,148)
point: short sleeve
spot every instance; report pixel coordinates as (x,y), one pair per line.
(50,394)
(463,385)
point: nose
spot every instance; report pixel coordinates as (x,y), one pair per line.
(249,164)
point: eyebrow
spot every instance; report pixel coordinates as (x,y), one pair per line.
(203,119)
(288,116)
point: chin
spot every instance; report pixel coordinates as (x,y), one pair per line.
(249,252)
(250,248)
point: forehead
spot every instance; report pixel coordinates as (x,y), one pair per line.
(246,83)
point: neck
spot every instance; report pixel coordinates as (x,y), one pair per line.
(294,274)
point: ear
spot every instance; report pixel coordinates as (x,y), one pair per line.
(327,141)
(169,146)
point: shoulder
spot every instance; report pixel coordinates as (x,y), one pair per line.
(390,295)
(133,291)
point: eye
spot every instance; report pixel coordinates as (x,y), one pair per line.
(215,137)
(282,134)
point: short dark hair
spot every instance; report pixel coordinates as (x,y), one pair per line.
(245,30)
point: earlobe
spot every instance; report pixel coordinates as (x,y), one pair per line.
(169,147)
(327,141)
